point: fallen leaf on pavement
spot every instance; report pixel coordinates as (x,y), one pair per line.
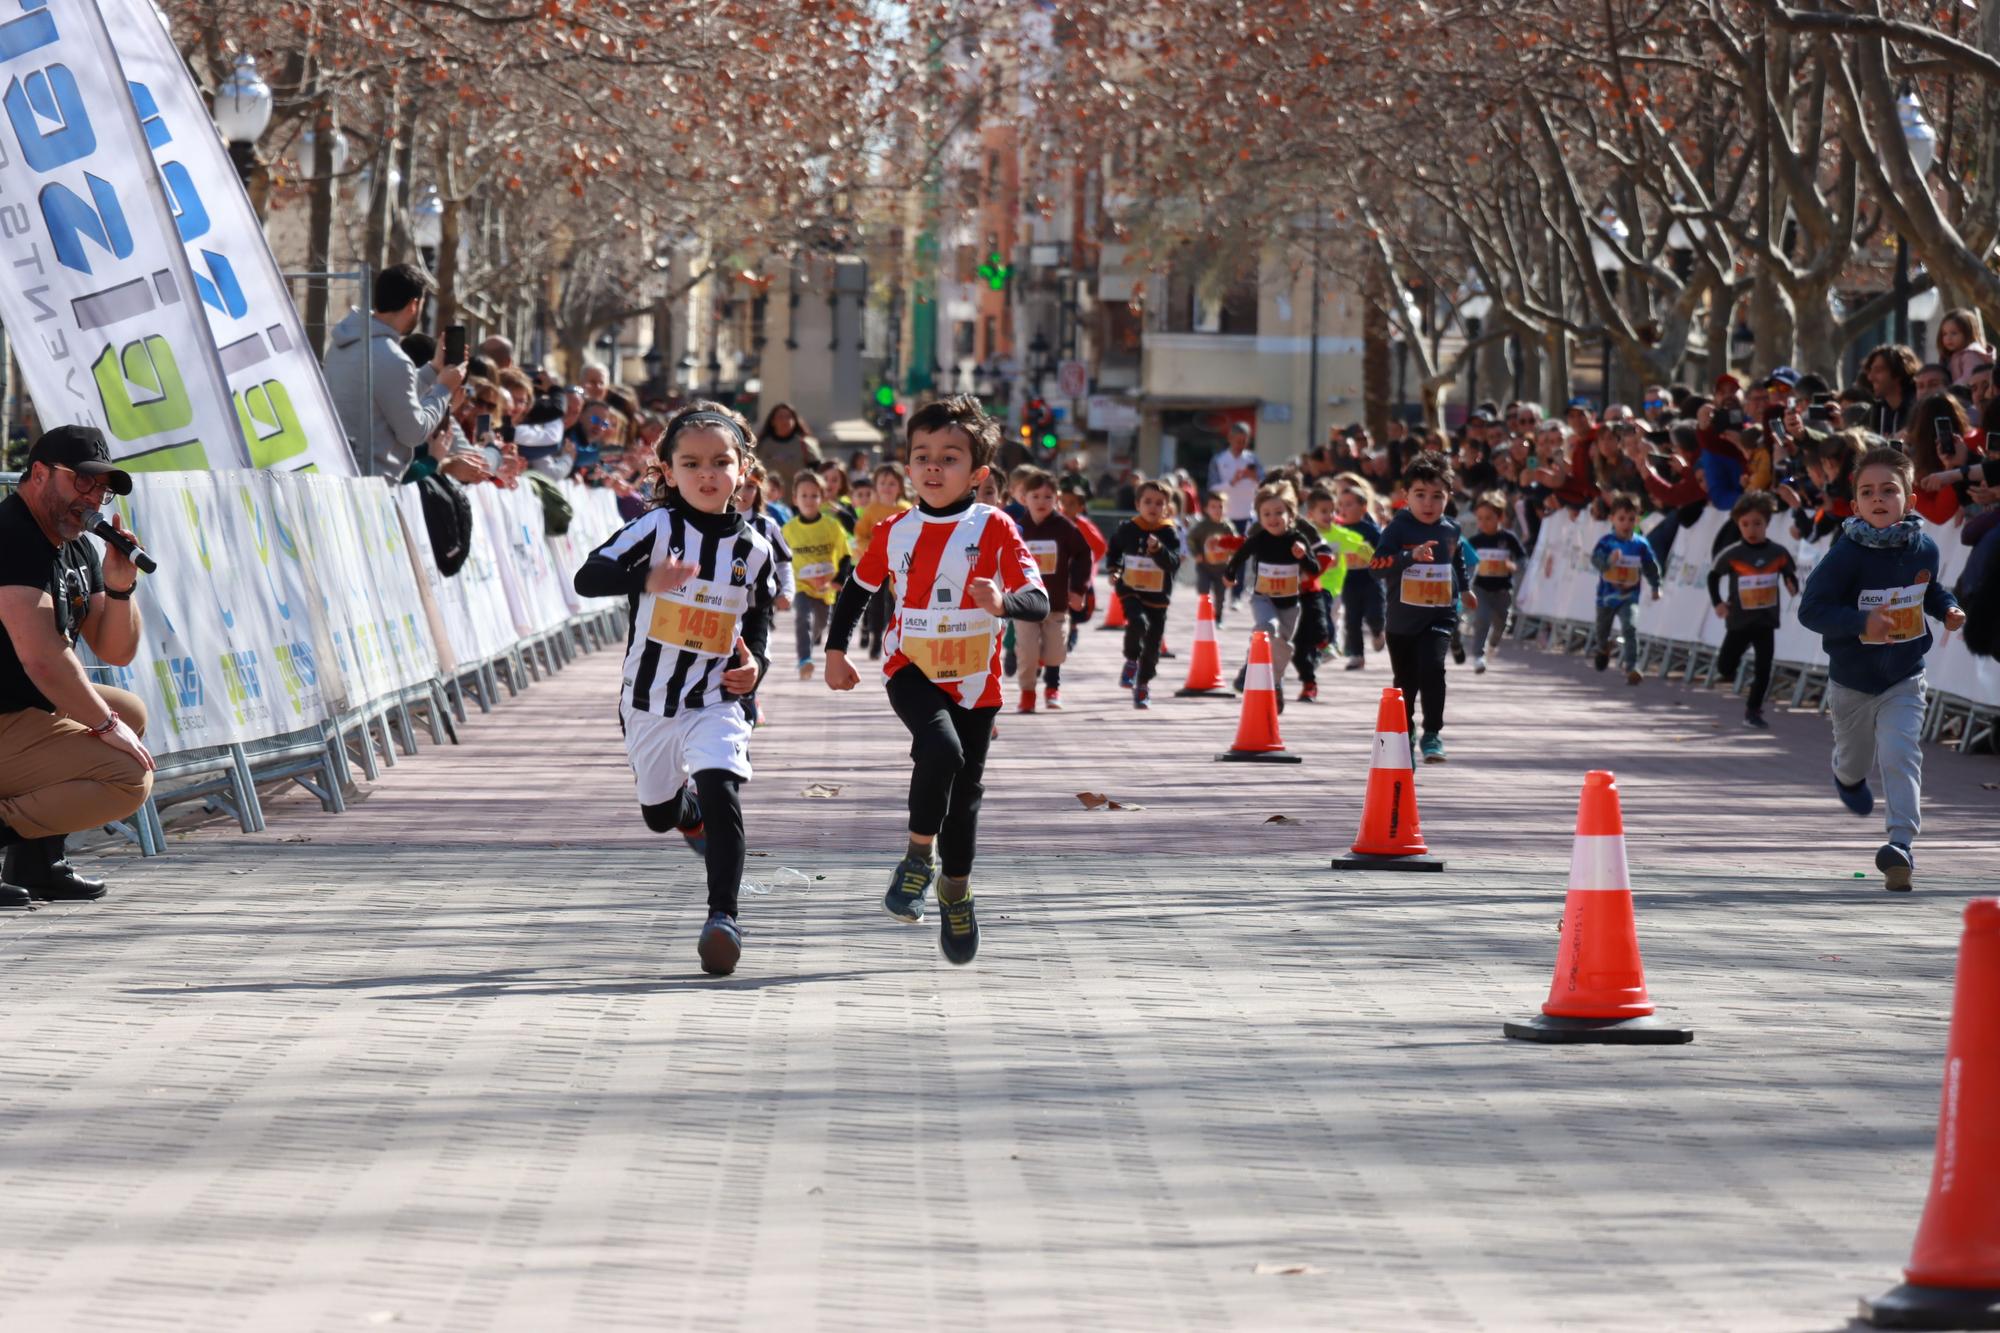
(1283,819)
(1093,800)
(1990,786)
(822,791)
(1285,1270)
(295,837)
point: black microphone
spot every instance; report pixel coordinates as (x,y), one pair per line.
(123,541)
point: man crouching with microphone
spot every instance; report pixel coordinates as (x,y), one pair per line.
(70,754)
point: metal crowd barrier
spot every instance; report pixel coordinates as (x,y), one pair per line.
(1950,719)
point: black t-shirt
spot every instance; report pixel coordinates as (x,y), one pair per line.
(70,574)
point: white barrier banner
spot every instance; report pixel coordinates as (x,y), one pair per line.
(104,310)
(367,587)
(229,651)
(1559,584)
(278,394)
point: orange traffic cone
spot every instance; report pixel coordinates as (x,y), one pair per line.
(1115,617)
(1390,837)
(1257,739)
(1205,667)
(1954,1270)
(1598,993)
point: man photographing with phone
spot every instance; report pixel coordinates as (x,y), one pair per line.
(70,754)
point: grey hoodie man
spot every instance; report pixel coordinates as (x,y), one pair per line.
(406,408)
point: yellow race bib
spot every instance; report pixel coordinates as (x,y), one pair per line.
(1280,582)
(700,617)
(1906,611)
(948,646)
(1045,555)
(1427,585)
(1143,575)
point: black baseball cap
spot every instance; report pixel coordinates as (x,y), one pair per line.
(82,450)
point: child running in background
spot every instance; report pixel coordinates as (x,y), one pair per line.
(1350,551)
(955,568)
(1498,556)
(1063,557)
(821,558)
(690,570)
(1867,600)
(750,503)
(1360,598)
(1280,560)
(1072,494)
(1754,567)
(1209,541)
(890,486)
(1145,556)
(1621,560)
(1423,563)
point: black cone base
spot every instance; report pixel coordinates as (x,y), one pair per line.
(1646,1030)
(1219,692)
(1258,757)
(1912,1306)
(1364,861)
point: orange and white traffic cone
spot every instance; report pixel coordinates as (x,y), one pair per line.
(1598,993)
(1391,837)
(1953,1278)
(1205,666)
(1114,618)
(1257,740)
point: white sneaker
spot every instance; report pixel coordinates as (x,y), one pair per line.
(1479,666)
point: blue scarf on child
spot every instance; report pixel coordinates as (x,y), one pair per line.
(1859,531)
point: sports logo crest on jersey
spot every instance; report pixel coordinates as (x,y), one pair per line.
(739,571)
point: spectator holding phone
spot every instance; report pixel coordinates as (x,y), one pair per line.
(387,414)
(1942,441)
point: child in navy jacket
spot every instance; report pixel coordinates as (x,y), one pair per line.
(1867,599)
(1621,559)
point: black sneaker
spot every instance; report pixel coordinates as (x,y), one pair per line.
(721,944)
(1129,676)
(1755,718)
(1458,653)
(908,884)
(1859,800)
(1602,659)
(691,826)
(1897,864)
(958,930)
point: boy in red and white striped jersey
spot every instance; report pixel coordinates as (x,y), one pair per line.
(958,568)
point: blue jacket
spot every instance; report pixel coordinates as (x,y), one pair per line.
(1426,599)
(1851,579)
(1635,548)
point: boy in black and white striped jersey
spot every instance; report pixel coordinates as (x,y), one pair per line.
(694,572)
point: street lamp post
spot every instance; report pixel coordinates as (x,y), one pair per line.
(1312,353)
(427,226)
(1604,253)
(1921,141)
(242,113)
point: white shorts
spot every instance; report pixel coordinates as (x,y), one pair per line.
(666,751)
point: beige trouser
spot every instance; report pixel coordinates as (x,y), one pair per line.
(1038,644)
(55,777)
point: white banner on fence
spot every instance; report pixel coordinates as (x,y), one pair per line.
(1560,585)
(279,396)
(104,310)
(229,651)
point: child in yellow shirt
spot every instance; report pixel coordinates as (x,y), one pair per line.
(821,559)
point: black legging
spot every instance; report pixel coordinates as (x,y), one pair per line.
(720,794)
(1761,638)
(875,621)
(1145,628)
(1417,661)
(949,745)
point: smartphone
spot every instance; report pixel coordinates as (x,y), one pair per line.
(492,452)
(482,425)
(454,345)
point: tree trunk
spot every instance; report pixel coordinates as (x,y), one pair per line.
(1377,387)
(1818,333)
(319,227)
(1496,377)
(1527,366)
(1721,322)
(1773,320)
(447,266)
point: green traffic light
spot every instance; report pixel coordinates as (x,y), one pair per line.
(1048,441)
(885,396)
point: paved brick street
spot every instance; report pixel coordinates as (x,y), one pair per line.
(447,1062)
